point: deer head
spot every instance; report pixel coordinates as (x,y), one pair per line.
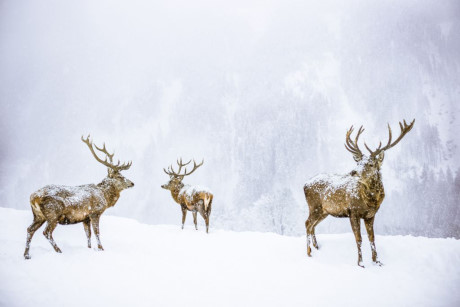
(175,178)
(113,170)
(375,159)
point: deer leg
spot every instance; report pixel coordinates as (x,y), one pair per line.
(194,219)
(30,233)
(87,226)
(184,214)
(313,236)
(95,224)
(206,220)
(307,227)
(355,225)
(369,223)
(207,214)
(48,233)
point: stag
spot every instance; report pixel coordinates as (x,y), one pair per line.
(356,195)
(190,198)
(57,204)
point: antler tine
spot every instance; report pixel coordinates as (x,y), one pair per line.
(109,163)
(195,166)
(179,162)
(361,130)
(405,128)
(389,135)
(90,146)
(171,171)
(353,146)
(104,150)
(347,140)
(370,151)
(125,166)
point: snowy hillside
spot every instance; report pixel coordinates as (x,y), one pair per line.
(145,265)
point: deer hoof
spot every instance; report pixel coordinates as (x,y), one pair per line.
(58,250)
(27,256)
(309,251)
(361,264)
(100,248)
(378,263)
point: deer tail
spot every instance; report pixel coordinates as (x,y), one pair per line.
(207,202)
(35,202)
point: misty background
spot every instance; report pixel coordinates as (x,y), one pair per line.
(264,91)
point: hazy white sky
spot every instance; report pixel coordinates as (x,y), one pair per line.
(263,90)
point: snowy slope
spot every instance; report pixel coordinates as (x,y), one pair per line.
(145,265)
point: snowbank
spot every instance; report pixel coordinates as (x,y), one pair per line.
(145,265)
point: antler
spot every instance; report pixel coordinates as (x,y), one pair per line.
(405,128)
(171,171)
(116,167)
(353,146)
(194,167)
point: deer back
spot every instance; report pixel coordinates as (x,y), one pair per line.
(74,204)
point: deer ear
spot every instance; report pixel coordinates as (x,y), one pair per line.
(109,172)
(380,157)
(357,158)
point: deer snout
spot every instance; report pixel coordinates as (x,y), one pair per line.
(130,183)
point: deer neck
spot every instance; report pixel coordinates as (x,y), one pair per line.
(175,192)
(110,190)
(371,181)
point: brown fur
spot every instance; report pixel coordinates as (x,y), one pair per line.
(64,205)
(356,195)
(190,198)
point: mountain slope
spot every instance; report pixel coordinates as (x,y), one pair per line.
(145,265)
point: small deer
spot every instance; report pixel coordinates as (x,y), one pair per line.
(356,195)
(191,198)
(57,204)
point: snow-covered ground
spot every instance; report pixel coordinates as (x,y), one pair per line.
(145,265)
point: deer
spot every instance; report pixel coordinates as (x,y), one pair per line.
(190,198)
(58,204)
(356,195)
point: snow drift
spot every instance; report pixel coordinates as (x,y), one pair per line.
(146,265)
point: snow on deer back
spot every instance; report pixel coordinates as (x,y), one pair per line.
(191,195)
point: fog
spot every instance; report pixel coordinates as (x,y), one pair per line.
(264,91)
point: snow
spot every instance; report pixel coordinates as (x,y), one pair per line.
(191,190)
(146,265)
(71,195)
(334,182)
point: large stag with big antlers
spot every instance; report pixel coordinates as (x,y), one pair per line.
(57,204)
(356,195)
(191,198)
